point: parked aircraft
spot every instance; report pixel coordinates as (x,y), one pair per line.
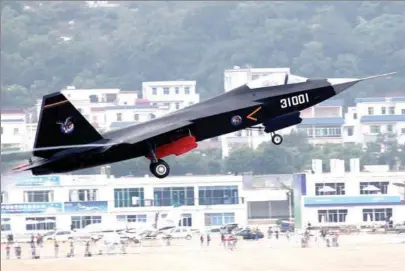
(65,140)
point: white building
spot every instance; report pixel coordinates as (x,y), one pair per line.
(13,129)
(374,116)
(173,94)
(355,198)
(75,201)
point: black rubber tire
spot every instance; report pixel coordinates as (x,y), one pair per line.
(160,169)
(277,139)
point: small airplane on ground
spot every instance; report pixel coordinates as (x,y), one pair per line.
(65,141)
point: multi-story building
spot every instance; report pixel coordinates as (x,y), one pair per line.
(323,123)
(374,116)
(172,94)
(67,201)
(355,198)
(13,129)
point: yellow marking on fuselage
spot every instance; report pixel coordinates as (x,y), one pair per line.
(250,116)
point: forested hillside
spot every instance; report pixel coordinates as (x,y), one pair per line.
(47,46)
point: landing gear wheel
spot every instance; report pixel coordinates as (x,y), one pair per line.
(277,139)
(159,169)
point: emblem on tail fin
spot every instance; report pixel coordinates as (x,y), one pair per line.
(67,126)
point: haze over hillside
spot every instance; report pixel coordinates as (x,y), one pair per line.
(47,46)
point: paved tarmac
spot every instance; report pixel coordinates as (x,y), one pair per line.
(378,253)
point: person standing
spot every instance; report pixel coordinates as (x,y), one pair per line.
(56,248)
(8,251)
(208,239)
(17,250)
(202,239)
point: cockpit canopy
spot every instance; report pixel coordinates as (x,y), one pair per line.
(276,79)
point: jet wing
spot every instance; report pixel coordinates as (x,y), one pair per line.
(148,130)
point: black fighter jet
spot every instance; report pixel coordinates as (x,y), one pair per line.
(65,140)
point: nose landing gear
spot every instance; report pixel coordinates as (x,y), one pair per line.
(276,138)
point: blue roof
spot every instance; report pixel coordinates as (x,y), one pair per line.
(331,103)
(121,124)
(382,118)
(379,99)
(12,120)
(322,121)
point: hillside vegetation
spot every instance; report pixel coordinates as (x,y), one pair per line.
(46,46)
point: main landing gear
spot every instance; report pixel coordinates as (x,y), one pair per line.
(276,138)
(158,167)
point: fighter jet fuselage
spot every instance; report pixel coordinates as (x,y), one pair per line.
(275,105)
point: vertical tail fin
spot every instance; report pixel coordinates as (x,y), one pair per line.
(61,124)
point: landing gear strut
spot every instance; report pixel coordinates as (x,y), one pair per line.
(159,168)
(276,138)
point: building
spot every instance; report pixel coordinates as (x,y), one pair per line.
(13,129)
(351,198)
(323,123)
(374,116)
(32,204)
(172,94)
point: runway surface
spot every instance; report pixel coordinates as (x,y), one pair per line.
(375,254)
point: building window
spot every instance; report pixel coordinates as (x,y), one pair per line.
(1,129)
(94,118)
(186,90)
(166,104)
(383,214)
(177,90)
(186,220)
(372,188)
(218,195)
(38,196)
(3,196)
(374,129)
(136,117)
(93,99)
(40,223)
(128,197)
(177,105)
(391,110)
(5,224)
(170,196)
(255,76)
(83,195)
(402,130)
(166,91)
(371,111)
(403,111)
(132,218)
(350,131)
(15,131)
(152,116)
(154,91)
(79,222)
(328,132)
(355,116)
(332,216)
(390,128)
(324,189)
(119,116)
(218,219)
(383,110)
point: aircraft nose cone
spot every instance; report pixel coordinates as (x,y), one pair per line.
(341,84)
